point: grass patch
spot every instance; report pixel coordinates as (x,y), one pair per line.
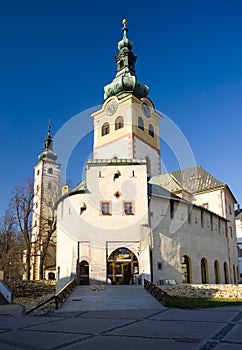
(200,303)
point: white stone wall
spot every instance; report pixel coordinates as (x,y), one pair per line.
(222,202)
(238,225)
(122,148)
(99,235)
(175,237)
(142,150)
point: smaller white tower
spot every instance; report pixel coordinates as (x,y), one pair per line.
(47,191)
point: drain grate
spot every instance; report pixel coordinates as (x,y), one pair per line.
(76,299)
(188,340)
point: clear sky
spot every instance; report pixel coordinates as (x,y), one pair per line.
(56,56)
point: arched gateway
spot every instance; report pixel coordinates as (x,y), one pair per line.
(122,267)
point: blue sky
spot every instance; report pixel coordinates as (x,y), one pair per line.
(56,56)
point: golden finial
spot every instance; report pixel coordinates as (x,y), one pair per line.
(125,21)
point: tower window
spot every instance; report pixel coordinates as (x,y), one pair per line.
(50,171)
(119,123)
(105,129)
(121,64)
(49,186)
(38,172)
(151,130)
(105,208)
(140,123)
(128,208)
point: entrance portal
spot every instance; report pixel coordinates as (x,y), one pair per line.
(123,267)
(84,272)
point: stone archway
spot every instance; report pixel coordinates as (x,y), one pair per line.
(204,271)
(122,267)
(84,272)
(186,269)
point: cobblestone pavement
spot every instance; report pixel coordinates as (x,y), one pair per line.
(155,326)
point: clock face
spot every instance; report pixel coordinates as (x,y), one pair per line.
(146,109)
(111,107)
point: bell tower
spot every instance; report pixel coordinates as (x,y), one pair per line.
(46,192)
(127,125)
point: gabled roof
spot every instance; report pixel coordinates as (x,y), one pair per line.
(192,180)
(196,179)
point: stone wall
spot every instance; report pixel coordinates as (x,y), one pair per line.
(205,291)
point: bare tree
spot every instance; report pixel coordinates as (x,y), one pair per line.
(47,237)
(22,204)
(11,247)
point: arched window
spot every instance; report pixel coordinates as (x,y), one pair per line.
(121,64)
(140,123)
(186,269)
(51,276)
(50,171)
(226,275)
(105,129)
(216,272)
(151,130)
(204,271)
(119,123)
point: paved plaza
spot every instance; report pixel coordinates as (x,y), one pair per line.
(120,317)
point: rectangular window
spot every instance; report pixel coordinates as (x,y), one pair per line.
(128,208)
(105,208)
(159,265)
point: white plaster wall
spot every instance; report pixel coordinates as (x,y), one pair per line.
(222,202)
(122,148)
(238,224)
(142,150)
(190,239)
(214,199)
(104,231)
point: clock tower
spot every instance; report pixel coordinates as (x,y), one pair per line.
(127,125)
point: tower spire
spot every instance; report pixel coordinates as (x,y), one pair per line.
(125,81)
(48,147)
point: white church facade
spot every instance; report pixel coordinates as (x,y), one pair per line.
(123,223)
